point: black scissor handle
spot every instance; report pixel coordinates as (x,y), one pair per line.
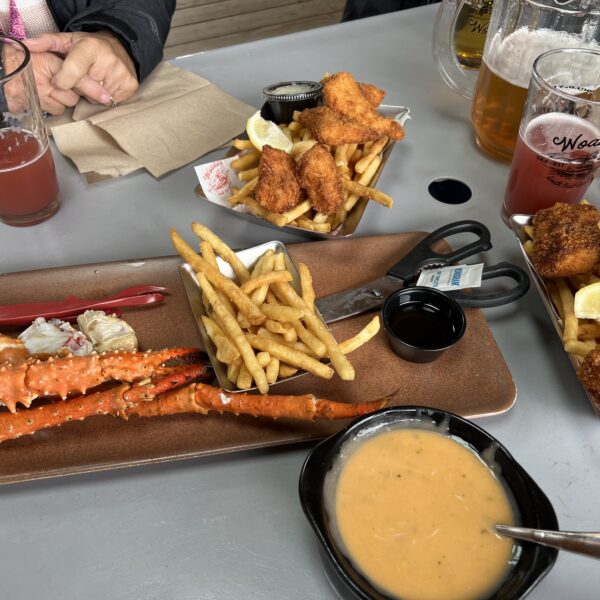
(503,269)
(423,256)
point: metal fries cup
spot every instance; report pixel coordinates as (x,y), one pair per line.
(190,282)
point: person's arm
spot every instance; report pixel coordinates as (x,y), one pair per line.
(142,26)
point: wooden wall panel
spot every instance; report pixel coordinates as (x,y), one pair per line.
(205,24)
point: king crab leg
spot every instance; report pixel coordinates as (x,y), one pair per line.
(162,398)
(202,398)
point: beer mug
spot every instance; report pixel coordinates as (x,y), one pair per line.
(518,32)
(558,149)
(459,37)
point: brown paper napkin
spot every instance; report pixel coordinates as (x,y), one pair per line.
(174,118)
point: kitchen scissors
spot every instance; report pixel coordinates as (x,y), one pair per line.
(405,272)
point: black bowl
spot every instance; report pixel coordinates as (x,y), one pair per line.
(533,507)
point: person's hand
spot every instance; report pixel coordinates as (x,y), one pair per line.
(100,55)
(53,100)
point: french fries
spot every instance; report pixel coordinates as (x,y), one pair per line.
(570,321)
(222,249)
(306,284)
(290,356)
(272,370)
(266,279)
(284,314)
(261,326)
(244,192)
(362,337)
(285,292)
(226,350)
(237,336)
(367,192)
(246,161)
(362,163)
(241,300)
(243,144)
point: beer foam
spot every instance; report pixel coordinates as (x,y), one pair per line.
(562,132)
(511,58)
(565,123)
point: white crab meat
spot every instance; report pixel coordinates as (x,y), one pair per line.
(107,332)
(50,337)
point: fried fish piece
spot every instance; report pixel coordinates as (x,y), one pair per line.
(567,240)
(589,373)
(343,95)
(372,93)
(277,189)
(330,128)
(318,175)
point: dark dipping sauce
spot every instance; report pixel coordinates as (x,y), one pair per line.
(421,323)
(423,326)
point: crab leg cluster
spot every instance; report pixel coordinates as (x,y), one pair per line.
(145,384)
(21,382)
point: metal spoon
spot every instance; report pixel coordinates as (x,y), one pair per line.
(579,542)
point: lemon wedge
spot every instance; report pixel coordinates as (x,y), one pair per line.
(587,302)
(262,132)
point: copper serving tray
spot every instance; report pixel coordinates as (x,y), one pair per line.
(352,221)
(518,223)
(471,379)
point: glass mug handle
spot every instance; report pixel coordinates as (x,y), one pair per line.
(459,78)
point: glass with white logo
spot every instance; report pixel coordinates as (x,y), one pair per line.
(558,149)
(515,32)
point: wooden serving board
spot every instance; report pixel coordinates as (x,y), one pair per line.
(470,379)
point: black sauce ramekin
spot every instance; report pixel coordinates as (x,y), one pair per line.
(280,108)
(433,300)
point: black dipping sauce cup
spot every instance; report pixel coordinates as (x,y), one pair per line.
(422,322)
(285,97)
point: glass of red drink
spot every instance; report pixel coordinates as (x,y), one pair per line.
(29,190)
(558,150)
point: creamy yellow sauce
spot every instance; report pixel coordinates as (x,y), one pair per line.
(415,511)
(296,88)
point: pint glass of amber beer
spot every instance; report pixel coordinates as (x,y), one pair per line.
(558,149)
(519,31)
(28,185)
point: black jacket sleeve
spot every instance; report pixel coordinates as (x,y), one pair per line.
(142,25)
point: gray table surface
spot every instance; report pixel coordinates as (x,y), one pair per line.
(232,527)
